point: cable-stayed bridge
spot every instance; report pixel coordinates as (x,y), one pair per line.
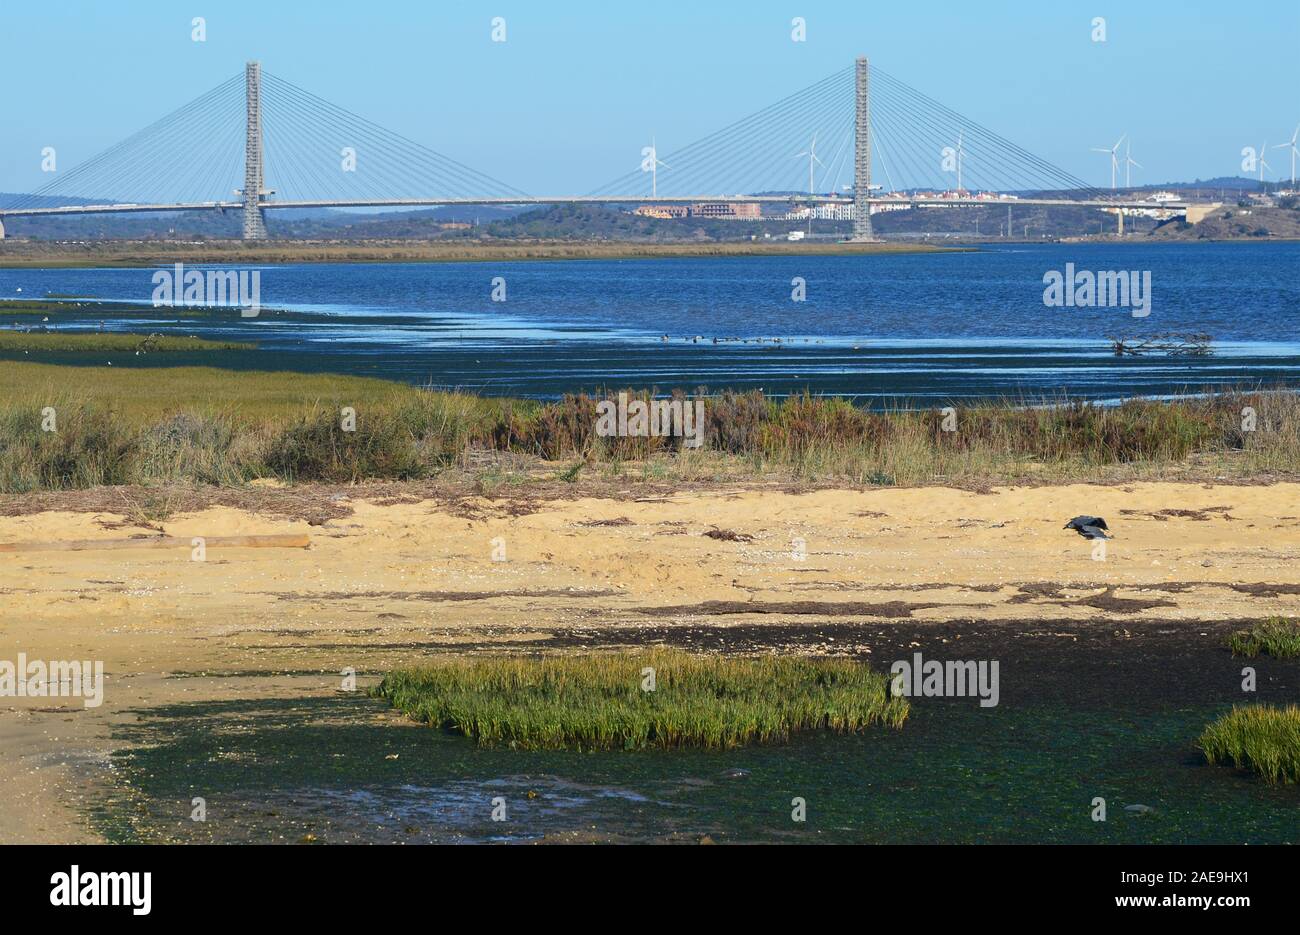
(858,137)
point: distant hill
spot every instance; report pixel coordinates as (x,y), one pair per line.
(614,223)
(1226,182)
(9,199)
(308,224)
(1234,222)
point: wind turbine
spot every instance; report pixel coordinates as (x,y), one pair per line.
(811,153)
(1262,164)
(1292,146)
(1129,163)
(655,163)
(1114,159)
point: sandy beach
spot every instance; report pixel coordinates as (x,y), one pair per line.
(385,581)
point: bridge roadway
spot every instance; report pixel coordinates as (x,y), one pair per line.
(1178,206)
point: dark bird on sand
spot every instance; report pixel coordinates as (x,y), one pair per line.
(1090,527)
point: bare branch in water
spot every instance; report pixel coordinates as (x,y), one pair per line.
(1171,343)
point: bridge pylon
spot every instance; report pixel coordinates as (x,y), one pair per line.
(862,232)
(254,217)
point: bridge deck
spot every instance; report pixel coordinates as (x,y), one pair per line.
(602,199)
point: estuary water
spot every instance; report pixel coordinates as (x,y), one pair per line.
(883,328)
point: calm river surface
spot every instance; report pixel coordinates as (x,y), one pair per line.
(884,328)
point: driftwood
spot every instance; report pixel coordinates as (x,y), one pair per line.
(287,541)
(1172,344)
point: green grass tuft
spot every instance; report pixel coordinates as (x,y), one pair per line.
(1262,738)
(596,702)
(1277,636)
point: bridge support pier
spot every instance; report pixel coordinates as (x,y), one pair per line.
(254,216)
(862,232)
(2,228)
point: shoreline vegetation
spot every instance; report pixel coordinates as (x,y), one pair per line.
(198,425)
(663,699)
(76,342)
(48,254)
(40,254)
(1264,739)
(1278,637)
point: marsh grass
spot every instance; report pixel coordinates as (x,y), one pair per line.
(89,448)
(596,702)
(207,426)
(1277,636)
(108,342)
(814,438)
(316,447)
(1262,738)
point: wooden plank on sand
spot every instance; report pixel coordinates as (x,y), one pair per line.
(285,541)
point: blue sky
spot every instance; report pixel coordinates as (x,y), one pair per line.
(568,100)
